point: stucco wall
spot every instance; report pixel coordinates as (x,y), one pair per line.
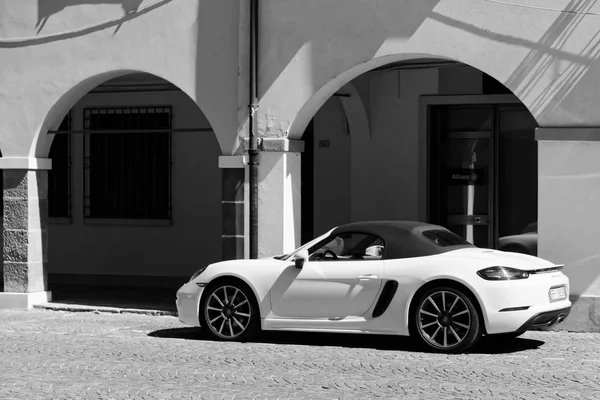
(569,189)
(396,145)
(544,51)
(53,52)
(385,183)
(193,239)
(279,203)
(332,170)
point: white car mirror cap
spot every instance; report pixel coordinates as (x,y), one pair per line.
(300,258)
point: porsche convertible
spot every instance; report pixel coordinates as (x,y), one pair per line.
(383,277)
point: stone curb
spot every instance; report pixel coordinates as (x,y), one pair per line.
(100,309)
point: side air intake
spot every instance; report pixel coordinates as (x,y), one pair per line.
(387,294)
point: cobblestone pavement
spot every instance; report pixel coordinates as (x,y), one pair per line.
(62,355)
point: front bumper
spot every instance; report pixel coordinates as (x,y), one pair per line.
(188,303)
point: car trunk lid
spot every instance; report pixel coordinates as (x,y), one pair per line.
(502,258)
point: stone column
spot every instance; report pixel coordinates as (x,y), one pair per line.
(24,219)
(569,215)
(279,207)
(233,177)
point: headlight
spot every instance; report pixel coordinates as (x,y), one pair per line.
(201,270)
(502,273)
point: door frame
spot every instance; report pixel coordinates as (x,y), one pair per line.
(426,102)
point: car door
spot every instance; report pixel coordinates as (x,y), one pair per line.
(341,279)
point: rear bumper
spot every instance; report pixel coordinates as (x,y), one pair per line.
(512,306)
(545,320)
(516,321)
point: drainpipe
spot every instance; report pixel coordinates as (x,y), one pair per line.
(253,160)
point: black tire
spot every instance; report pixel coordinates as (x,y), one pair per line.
(444,319)
(229,312)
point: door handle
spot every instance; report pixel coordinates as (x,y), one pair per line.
(367,277)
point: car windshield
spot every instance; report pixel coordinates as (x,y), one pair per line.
(304,246)
(444,238)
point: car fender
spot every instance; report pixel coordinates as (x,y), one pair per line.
(259,275)
(446,277)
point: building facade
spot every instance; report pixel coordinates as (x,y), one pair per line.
(123,129)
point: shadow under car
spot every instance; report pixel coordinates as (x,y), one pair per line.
(487,344)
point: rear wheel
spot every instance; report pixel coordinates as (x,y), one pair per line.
(228,312)
(446,320)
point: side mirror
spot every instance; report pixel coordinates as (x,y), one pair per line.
(300,258)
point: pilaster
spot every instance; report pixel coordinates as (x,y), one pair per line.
(279,202)
(233,177)
(569,215)
(24,238)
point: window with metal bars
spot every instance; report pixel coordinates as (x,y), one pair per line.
(128,163)
(59,177)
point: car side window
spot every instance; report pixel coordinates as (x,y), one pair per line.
(348,247)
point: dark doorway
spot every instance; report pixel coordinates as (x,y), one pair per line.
(307,185)
(483,175)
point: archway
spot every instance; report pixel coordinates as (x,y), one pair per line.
(135,190)
(425,116)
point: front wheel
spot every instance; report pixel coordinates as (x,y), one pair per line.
(228,312)
(445,320)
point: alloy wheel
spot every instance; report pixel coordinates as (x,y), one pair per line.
(444,319)
(228,312)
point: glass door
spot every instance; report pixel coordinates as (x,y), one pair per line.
(462,170)
(483,171)
(466,173)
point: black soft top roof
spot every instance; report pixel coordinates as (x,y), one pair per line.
(403,239)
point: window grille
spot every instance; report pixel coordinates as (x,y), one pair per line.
(128,171)
(59,177)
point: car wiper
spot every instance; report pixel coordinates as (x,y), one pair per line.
(281,257)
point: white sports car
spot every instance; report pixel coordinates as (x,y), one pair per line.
(385,277)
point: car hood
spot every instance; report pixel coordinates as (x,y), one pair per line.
(501,258)
(249,262)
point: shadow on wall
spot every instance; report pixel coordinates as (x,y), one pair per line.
(357,28)
(568,69)
(118,22)
(47,8)
(537,62)
(217,30)
(2,230)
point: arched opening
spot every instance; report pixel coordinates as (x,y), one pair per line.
(447,144)
(135,189)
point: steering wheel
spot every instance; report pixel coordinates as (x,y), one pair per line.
(330,254)
(327,254)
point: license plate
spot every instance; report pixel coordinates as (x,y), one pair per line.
(557,293)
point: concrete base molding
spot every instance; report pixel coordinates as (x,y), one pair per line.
(23,301)
(584,316)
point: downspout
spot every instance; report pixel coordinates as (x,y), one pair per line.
(253,160)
